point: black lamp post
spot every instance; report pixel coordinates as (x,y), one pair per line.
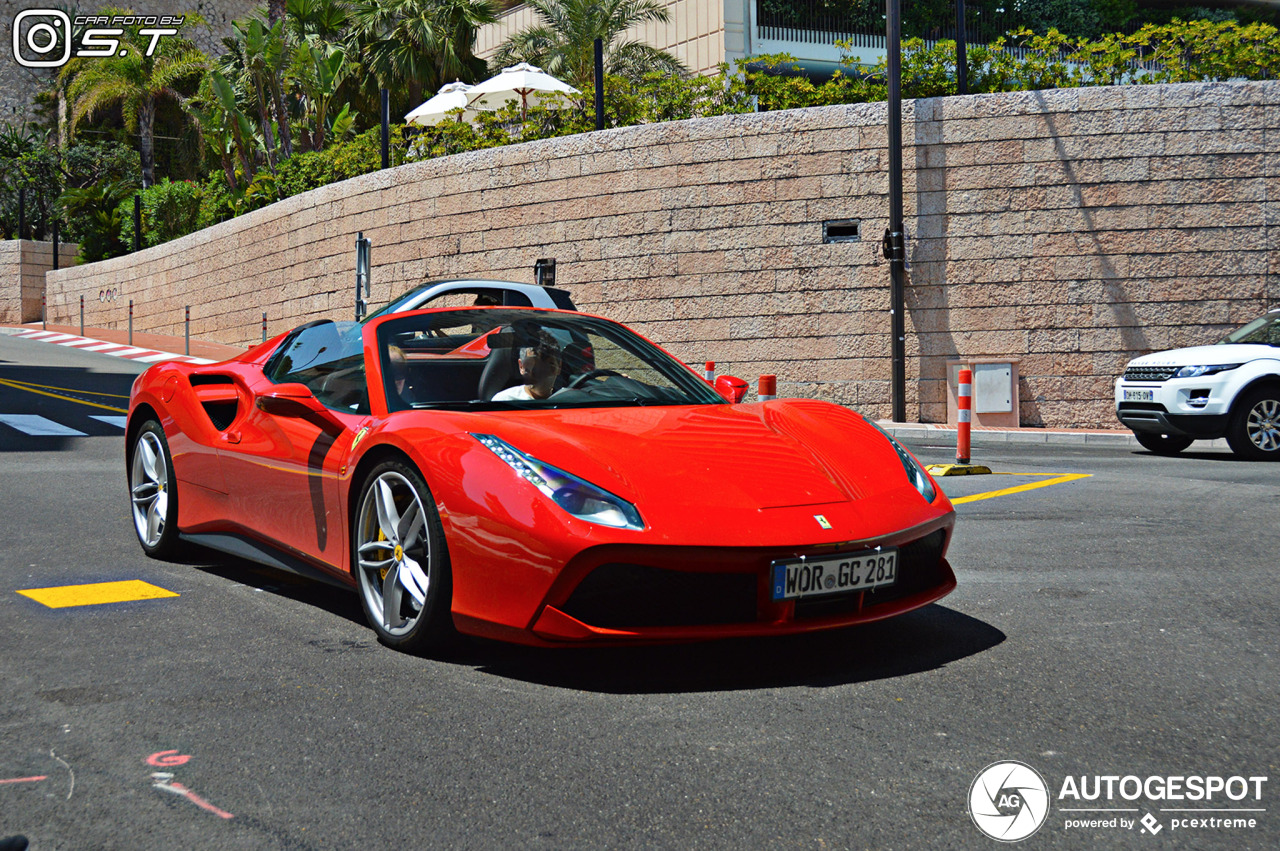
(894,242)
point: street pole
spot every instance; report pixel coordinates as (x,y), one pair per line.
(599,69)
(386,128)
(962,52)
(894,243)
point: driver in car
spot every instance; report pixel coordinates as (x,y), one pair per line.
(539,367)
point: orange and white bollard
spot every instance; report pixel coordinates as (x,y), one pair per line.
(710,373)
(964,414)
(768,388)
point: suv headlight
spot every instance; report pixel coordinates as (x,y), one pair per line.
(1197,371)
(915,473)
(576,496)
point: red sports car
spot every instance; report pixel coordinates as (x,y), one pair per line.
(536,476)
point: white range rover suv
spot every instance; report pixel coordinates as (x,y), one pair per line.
(1231,390)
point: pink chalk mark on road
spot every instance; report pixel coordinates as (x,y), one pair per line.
(164,759)
(25,779)
(165,782)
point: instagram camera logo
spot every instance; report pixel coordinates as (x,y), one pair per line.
(46,42)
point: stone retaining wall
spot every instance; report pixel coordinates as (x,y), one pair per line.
(23,264)
(1070,229)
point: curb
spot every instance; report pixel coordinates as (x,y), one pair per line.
(100,347)
(935,434)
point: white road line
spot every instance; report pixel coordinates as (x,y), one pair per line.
(155,356)
(128,353)
(31,334)
(57,337)
(38,426)
(110,419)
(102,347)
(83,341)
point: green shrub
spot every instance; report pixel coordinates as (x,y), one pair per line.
(169,210)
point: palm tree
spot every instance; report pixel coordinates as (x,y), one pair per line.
(563,44)
(264,54)
(413,46)
(134,82)
(318,21)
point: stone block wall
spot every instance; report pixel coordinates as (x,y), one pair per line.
(23,265)
(1071,229)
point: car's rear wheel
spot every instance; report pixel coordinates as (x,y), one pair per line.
(402,565)
(153,492)
(1254,431)
(1162,444)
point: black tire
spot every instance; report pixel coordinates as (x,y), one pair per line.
(1162,444)
(151,481)
(1254,428)
(393,610)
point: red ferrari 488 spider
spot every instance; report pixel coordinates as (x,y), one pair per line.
(536,476)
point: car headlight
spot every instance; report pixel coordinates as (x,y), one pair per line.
(576,496)
(915,473)
(1197,371)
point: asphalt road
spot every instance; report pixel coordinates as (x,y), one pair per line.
(1119,624)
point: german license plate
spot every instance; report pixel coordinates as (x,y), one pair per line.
(1139,395)
(812,577)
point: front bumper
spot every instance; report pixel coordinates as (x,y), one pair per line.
(658,594)
(1198,408)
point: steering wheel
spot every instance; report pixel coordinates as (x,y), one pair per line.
(587,376)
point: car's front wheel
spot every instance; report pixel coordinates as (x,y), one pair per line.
(153,492)
(1162,444)
(401,563)
(1254,431)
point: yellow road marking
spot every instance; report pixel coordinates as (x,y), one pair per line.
(1057,480)
(17,385)
(96,594)
(64,389)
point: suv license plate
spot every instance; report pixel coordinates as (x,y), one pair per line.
(1139,395)
(795,578)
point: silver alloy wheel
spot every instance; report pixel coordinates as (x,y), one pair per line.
(149,485)
(393,553)
(1263,425)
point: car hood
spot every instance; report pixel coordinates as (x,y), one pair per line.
(1208,355)
(754,468)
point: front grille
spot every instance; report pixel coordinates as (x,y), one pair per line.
(1149,373)
(919,569)
(622,596)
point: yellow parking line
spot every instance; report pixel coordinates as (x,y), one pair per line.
(18,385)
(1057,480)
(97,593)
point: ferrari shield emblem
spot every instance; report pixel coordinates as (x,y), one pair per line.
(359,437)
(822,521)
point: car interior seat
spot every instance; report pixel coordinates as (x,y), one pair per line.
(502,369)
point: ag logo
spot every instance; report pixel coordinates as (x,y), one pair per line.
(1008,801)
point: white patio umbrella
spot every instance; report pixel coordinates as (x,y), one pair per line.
(522,82)
(449,99)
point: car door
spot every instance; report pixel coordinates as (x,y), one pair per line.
(282,459)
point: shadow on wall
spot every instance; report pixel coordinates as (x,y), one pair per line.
(927,300)
(1115,298)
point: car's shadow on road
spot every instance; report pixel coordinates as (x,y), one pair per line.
(923,640)
(1201,455)
(336,601)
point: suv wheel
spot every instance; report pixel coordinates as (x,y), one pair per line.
(1162,444)
(1254,432)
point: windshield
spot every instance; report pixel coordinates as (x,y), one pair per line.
(497,358)
(1264,330)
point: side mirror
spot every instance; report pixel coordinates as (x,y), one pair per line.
(297,400)
(731,388)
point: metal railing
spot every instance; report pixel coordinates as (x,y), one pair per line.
(861,22)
